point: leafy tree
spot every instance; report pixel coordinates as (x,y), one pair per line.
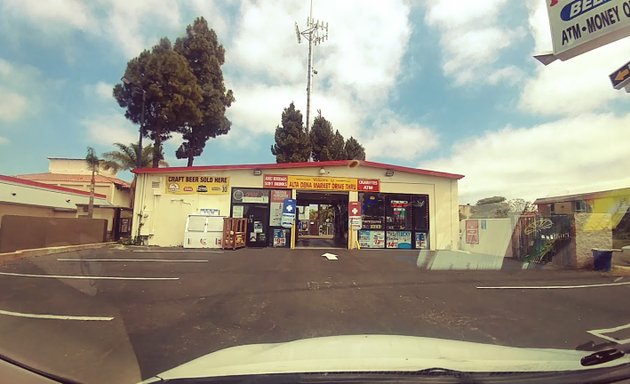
(337,147)
(205,56)
(292,142)
(171,90)
(520,206)
(491,207)
(93,163)
(354,150)
(491,200)
(321,136)
(125,157)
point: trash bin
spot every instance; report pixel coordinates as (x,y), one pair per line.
(602,259)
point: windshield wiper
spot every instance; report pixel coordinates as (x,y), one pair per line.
(601,357)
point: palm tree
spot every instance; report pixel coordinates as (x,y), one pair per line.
(93,163)
(125,158)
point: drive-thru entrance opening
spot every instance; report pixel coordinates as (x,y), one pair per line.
(322,220)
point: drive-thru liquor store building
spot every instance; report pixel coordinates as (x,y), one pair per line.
(345,203)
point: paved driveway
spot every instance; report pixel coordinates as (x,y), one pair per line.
(119,315)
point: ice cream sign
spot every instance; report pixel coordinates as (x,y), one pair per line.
(578,26)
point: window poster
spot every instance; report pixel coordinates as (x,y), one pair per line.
(399,239)
(421,240)
(280,237)
(275,206)
(371,239)
(237,211)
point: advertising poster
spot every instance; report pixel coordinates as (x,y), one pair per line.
(275,207)
(372,239)
(472,231)
(421,240)
(250,196)
(399,239)
(280,237)
(202,185)
(237,211)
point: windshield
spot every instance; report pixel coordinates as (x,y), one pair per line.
(196,189)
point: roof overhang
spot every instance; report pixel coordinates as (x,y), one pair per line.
(319,164)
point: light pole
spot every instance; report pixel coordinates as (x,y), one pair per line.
(316,32)
(141,130)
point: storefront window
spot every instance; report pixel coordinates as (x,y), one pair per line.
(420,212)
(373,211)
(394,221)
(398,210)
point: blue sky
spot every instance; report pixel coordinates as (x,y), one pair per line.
(449,85)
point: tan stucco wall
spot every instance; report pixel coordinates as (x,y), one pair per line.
(31,210)
(494,239)
(165,213)
(75,167)
(114,195)
(99,213)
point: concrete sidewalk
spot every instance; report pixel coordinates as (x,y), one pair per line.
(53,250)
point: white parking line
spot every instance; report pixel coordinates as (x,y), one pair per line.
(88,277)
(55,317)
(560,286)
(174,251)
(140,260)
(600,333)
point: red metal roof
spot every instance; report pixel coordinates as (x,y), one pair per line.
(30,183)
(318,164)
(46,176)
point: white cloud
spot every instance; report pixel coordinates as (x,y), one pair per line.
(394,139)
(358,65)
(16,82)
(258,107)
(574,86)
(109,129)
(100,89)
(539,26)
(472,38)
(576,154)
(58,14)
(457,13)
(4,140)
(510,74)
(12,106)
(130,26)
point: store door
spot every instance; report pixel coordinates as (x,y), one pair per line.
(257,225)
(322,220)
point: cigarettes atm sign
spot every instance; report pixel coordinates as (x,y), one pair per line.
(315,183)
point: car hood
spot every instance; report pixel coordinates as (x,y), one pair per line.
(356,353)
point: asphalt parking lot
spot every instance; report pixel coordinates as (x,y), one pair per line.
(122,315)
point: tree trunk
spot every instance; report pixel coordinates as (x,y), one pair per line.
(91,201)
(191,158)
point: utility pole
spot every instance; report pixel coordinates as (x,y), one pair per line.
(316,32)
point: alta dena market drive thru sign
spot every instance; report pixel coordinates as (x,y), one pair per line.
(317,183)
(578,26)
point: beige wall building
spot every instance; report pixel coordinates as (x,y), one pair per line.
(75,174)
(401,207)
(28,198)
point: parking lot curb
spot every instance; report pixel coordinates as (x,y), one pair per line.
(52,250)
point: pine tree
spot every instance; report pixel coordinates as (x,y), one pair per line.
(292,142)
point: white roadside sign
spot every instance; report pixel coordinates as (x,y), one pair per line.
(578,26)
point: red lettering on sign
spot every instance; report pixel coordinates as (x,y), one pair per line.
(275,181)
